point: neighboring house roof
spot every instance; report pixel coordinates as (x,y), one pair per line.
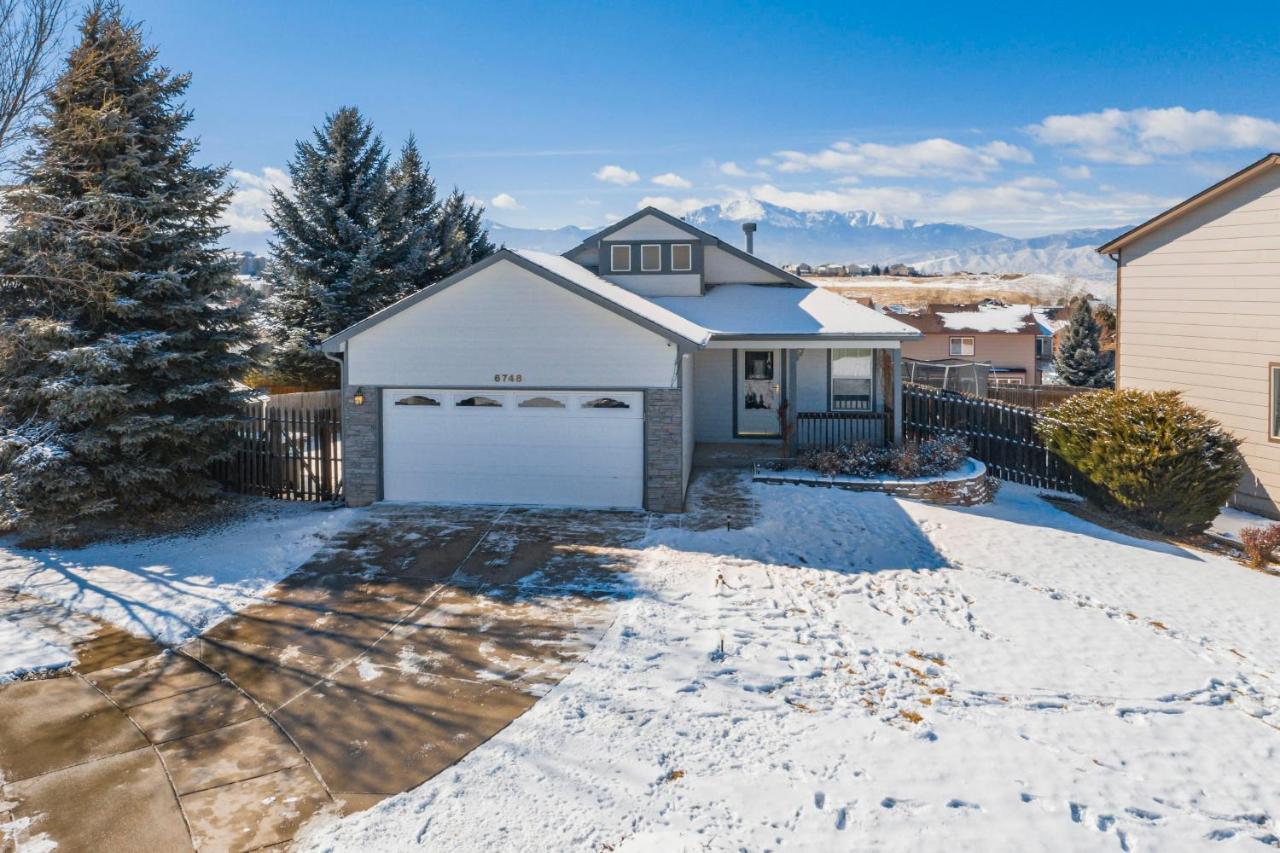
(1051,319)
(1200,198)
(975,318)
(707,239)
(557,270)
(762,311)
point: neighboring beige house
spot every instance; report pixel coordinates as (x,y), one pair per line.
(1198,311)
(993,332)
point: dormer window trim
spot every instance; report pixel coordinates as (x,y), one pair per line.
(645,267)
(614,266)
(688,247)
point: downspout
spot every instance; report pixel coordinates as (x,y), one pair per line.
(1117,258)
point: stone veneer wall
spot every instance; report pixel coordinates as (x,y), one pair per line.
(361,446)
(663,450)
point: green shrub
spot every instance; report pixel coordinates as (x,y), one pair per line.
(1148,455)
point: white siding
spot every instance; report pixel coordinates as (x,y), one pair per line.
(810,394)
(720,267)
(506,320)
(649,228)
(676,284)
(1199,305)
(686,413)
(713,395)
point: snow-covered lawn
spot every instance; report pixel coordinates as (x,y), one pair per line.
(169,588)
(857,672)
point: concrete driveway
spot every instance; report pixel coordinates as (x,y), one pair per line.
(415,638)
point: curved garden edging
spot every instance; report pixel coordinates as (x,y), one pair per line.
(966,486)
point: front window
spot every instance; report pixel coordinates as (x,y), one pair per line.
(650,258)
(620,259)
(851,380)
(961,346)
(681,257)
(1044,347)
(758,365)
(1275,401)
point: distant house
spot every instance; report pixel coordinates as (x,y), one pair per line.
(802,269)
(992,332)
(899,269)
(1197,302)
(1052,320)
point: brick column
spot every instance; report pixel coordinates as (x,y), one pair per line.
(663,451)
(361,446)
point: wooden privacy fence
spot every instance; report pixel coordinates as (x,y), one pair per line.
(832,429)
(1001,435)
(1035,397)
(291,452)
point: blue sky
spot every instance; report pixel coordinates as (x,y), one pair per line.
(1024,118)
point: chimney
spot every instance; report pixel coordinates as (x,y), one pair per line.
(749,228)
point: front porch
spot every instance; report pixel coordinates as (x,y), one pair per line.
(756,400)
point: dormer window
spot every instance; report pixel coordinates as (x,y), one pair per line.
(620,259)
(681,257)
(651,258)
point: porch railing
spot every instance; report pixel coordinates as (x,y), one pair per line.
(832,429)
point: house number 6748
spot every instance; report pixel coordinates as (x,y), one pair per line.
(508,377)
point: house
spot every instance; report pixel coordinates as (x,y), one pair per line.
(992,332)
(1052,320)
(1197,306)
(587,379)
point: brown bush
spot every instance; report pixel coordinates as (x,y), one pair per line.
(1260,544)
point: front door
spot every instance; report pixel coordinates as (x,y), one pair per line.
(759,391)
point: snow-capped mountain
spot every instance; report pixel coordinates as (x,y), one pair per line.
(862,236)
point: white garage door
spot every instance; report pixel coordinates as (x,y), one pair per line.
(570,448)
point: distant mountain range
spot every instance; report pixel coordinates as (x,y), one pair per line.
(866,237)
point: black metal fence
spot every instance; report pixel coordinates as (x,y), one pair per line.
(999,434)
(831,429)
(287,451)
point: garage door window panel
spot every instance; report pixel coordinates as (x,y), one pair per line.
(418,400)
(605,403)
(478,401)
(541,402)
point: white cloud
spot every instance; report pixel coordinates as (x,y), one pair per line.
(612,217)
(251,198)
(616,175)
(671,179)
(1135,137)
(1014,206)
(1076,173)
(505,201)
(733,170)
(674,206)
(928,158)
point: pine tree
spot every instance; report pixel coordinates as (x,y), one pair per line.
(1079,360)
(120,333)
(420,208)
(340,248)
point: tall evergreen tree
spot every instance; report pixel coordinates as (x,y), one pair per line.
(420,207)
(357,235)
(340,244)
(1079,360)
(120,333)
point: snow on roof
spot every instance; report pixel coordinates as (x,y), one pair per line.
(752,309)
(620,296)
(987,317)
(1045,319)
